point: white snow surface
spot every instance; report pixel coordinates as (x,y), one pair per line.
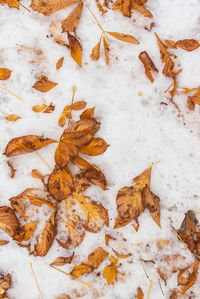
(138,128)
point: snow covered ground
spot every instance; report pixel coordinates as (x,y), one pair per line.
(138,128)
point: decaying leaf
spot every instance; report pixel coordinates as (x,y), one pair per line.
(140,294)
(5,284)
(3,242)
(46,238)
(95,215)
(132,201)
(25,232)
(122,256)
(126,8)
(110,273)
(75,49)
(108,238)
(94,261)
(26,144)
(48,7)
(44,84)
(148,65)
(96,51)
(4,74)
(170,44)
(189,233)
(8,221)
(81,183)
(106,50)
(124,37)
(59,63)
(187,277)
(71,22)
(12,117)
(61,260)
(188,44)
(12,169)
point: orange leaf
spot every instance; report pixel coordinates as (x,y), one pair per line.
(48,7)
(187,277)
(59,63)
(124,37)
(8,221)
(76,106)
(97,146)
(148,65)
(141,9)
(3,242)
(39,108)
(126,8)
(151,202)
(96,51)
(61,260)
(37,174)
(44,84)
(12,169)
(4,74)
(106,50)
(12,117)
(110,273)
(188,44)
(75,49)
(140,294)
(25,232)
(88,113)
(71,22)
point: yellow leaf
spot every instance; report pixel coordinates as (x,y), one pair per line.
(39,108)
(75,49)
(76,106)
(12,117)
(143,179)
(110,273)
(71,22)
(124,37)
(25,232)
(122,256)
(37,174)
(77,271)
(48,7)
(113,260)
(44,84)
(4,74)
(106,50)
(88,113)
(59,63)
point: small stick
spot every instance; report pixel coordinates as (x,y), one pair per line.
(144,270)
(72,100)
(31,266)
(42,159)
(84,283)
(24,7)
(20,98)
(161,288)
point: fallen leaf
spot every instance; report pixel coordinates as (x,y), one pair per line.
(3,242)
(188,44)
(141,9)
(151,202)
(110,273)
(126,8)
(4,74)
(75,49)
(12,169)
(59,63)
(63,296)
(12,117)
(60,183)
(162,243)
(80,270)
(108,238)
(61,260)
(106,50)
(8,221)
(140,294)
(70,23)
(25,232)
(76,106)
(124,37)
(39,108)
(187,277)
(37,174)
(5,284)
(81,183)
(122,256)
(11,3)
(48,7)
(44,84)
(170,44)
(97,146)
(148,65)
(88,113)
(96,51)
(142,180)
(26,144)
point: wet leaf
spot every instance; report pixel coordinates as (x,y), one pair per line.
(4,74)
(44,84)
(187,277)
(148,65)
(12,117)
(110,274)
(124,37)
(48,7)
(26,144)
(106,50)
(61,260)
(96,51)
(12,169)
(187,44)
(8,221)
(71,22)
(59,63)
(75,49)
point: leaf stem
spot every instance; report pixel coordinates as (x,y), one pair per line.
(74,88)
(31,266)
(42,159)
(20,98)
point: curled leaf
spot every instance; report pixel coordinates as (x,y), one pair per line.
(3,242)
(140,294)
(187,277)
(59,63)
(48,7)
(12,169)
(96,51)
(61,260)
(148,65)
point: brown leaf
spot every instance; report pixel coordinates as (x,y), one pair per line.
(59,63)
(5,284)
(48,7)
(46,238)
(12,169)
(148,65)
(162,243)
(124,37)
(88,113)
(76,106)
(141,9)
(122,256)
(110,274)
(97,146)
(81,183)
(96,51)
(151,202)
(170,44)
(60,183)
(12,117)
(106,50)
(3,242)
(75,49)
(126,8)
(187,277)
(95,215)
(63,296)
(8,221)
(140,294)
(73,233)
(121,221)
(39,108)
(188,44)
(37,174)
(108,238)
(44,84)
(61,260)
(26,144)
(142,180)
(70,23)
(189,233)
(25,232)
(4,74)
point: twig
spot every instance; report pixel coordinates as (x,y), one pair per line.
(161,288)
(24,7)
(42,159)
(72,101)
(31,266)
(84,283)
(20,98)
(144,270)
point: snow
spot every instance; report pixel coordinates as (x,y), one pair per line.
(138,128)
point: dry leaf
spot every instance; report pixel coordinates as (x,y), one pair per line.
(46,238)
(12,117)
(25,232)
(59,63)
(11,3)
(80,270)
(79,105)
(95,215)
(97,146)
(4,74)
(88,113)
(126,8)
(151,202)
(162,243)
(12,169)
(81,183)
(96,51)
(60,183)
(140,294)
(148,65)
(189,233)
(187,277)
(142,180)
(39,108)
(75,49)
(48,7)
(106,50)
(124,37)
(122,256)
(187,44)
(3,242)
(8,221)
(5,284)
(141,9)
(63,296)
(61,260)
(44,84)
(108,238)
(110,274)
(26,144)
(37,174)
(170,44)
(71,22)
